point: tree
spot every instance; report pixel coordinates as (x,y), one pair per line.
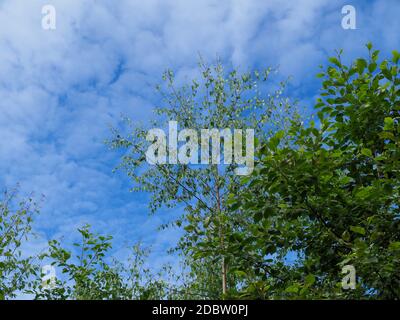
(323,195)
(89,276)
(219,100)
(330,193)
(15,228)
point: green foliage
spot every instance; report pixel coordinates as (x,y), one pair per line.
(324,194)
(330,194)
(15,228)
(219,99)
(89,275)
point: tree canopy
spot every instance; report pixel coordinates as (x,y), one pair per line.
(323,195)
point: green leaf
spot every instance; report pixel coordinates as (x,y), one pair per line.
(396,56)
(366,152)
(310,279)
(335,61)
(375,55)
(346,236)
(361,64)
(346,180)
(372,67)
(234,206)
(389,124)
(189,228)
(365,192)
(292,289)
(393,246)
(359,230)
(386,135)
(240,273)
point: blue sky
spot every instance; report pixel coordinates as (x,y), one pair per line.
(61,90)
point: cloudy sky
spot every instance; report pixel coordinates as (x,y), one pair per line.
(60,90)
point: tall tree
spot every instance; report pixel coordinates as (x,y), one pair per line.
(330,195)
(217,100)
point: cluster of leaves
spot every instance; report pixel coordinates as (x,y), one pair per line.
(329,194)
(90,276)
(84,272)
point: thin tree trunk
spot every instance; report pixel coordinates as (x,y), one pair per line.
(224,271)
(221,235)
